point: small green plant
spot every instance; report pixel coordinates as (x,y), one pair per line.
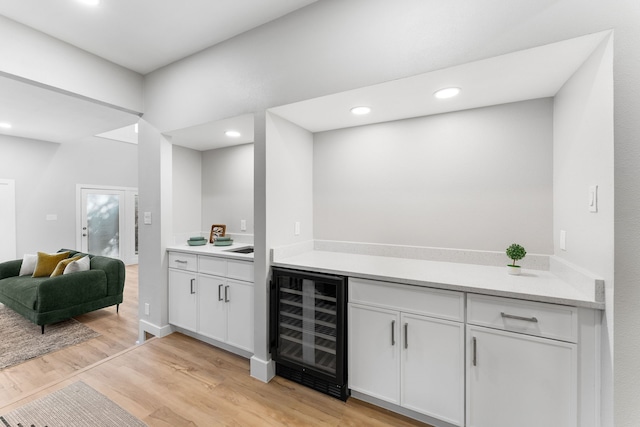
(515,252)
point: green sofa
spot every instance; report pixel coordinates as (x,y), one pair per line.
(46,300)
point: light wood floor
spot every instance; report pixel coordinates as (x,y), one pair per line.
(178,381)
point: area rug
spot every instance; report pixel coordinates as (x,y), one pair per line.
(77,405)
(22,340)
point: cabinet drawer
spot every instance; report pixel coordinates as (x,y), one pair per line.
(413,299)
(182,261)
(240,270)
(527,317)
(212,265)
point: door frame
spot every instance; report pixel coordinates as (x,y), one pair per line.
(127,244)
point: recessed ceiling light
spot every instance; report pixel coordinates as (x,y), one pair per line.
(232,133)
(448,92)
(90,2)
(5,125)
(361,110)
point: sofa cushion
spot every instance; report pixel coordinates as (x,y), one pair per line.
(83,263)
(28,264)
(62,265)
(47,263)
(22,289)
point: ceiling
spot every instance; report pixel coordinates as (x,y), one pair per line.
(209,136)
(144,35)
(529,74)
(141,35)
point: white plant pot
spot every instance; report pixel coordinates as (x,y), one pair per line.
(514,270)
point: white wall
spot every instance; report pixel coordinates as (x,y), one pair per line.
(289,181)
(187,192)
(477,179)
(227,188)
(35,56)
(46,175)
(316,51)
(584,156)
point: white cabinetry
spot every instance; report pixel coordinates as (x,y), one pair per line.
(213,298)
(406,347)
(521,363)
(182,294)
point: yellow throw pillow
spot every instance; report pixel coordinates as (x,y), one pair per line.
(63,264)
(47,263)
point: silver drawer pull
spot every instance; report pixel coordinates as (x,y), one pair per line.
(179,261)
(393,332)
(511,316)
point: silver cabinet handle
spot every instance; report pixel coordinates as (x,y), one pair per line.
(192,290)
(393,332)
(475,352)
(511,316)
(406,335)
(179,261)
(220,292)
(226,294)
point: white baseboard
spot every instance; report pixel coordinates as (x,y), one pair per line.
(147,327)
(263,370)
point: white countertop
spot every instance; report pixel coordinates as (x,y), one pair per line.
(219,251)
(535,285)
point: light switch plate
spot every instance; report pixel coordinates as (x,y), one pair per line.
(147,218)
(296,228)
(243,225)
(563,240)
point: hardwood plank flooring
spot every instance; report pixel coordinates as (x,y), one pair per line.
(119,331)
(179,381)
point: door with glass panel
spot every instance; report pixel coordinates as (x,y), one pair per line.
(103,222)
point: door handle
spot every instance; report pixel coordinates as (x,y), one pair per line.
(226,293)
(474,356)
(406,335)
(220,292)
(393,332)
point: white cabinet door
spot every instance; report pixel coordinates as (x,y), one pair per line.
(519,380)
(212,310)
(433,367)
(374,352)
(182,299)
(239,300)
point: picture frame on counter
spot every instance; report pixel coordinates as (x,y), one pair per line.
(217,230)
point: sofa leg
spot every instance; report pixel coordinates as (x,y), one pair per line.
(42,329)
(117,308)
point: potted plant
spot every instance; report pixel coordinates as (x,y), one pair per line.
(515,252)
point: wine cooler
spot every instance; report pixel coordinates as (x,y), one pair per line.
(308,329)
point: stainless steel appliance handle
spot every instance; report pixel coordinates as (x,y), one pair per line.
(512,316)
(393,332)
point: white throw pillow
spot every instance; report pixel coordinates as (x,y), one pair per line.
(28,264)
(83,264)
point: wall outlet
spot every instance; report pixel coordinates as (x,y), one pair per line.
(147,308)
(147,218)
(563,240)
(593,198)
(296,228)
(243,225)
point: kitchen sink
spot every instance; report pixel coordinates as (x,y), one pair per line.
(245,250)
